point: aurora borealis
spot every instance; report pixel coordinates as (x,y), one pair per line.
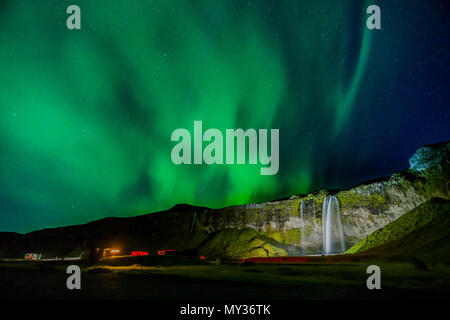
(86,115)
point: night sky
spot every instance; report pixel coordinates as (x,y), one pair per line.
(86,115)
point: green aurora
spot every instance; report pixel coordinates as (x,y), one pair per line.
(86,116)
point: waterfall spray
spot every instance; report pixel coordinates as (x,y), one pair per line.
(310,241)
(333,235)
(302,211)
(302,224)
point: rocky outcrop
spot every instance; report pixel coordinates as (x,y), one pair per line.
(290,226)
(235,243)
(432,160)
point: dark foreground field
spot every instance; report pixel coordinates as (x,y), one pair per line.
(308,281)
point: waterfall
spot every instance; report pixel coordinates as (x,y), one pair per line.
(333,234)
(193,222)
(302,225)
(310,241)
(307,213)
(302,212)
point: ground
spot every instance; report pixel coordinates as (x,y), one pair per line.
(321,279)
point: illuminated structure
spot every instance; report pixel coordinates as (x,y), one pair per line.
(139,253)
(32,256)
(109,252)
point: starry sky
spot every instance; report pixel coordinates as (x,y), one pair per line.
(86,115)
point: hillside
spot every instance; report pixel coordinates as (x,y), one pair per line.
(421,233)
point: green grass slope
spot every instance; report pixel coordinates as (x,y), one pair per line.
(423,233)
(236,244)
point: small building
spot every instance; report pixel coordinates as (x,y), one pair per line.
(139,253)
(96,254)
(110,252)
(32,256)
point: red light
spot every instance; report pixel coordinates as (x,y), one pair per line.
(277,259)
(202,257)
(139,253)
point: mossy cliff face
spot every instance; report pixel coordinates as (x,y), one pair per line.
(364,208)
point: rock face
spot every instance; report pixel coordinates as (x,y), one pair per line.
(432,162)
(432,157)
(287,227)
(363,209)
